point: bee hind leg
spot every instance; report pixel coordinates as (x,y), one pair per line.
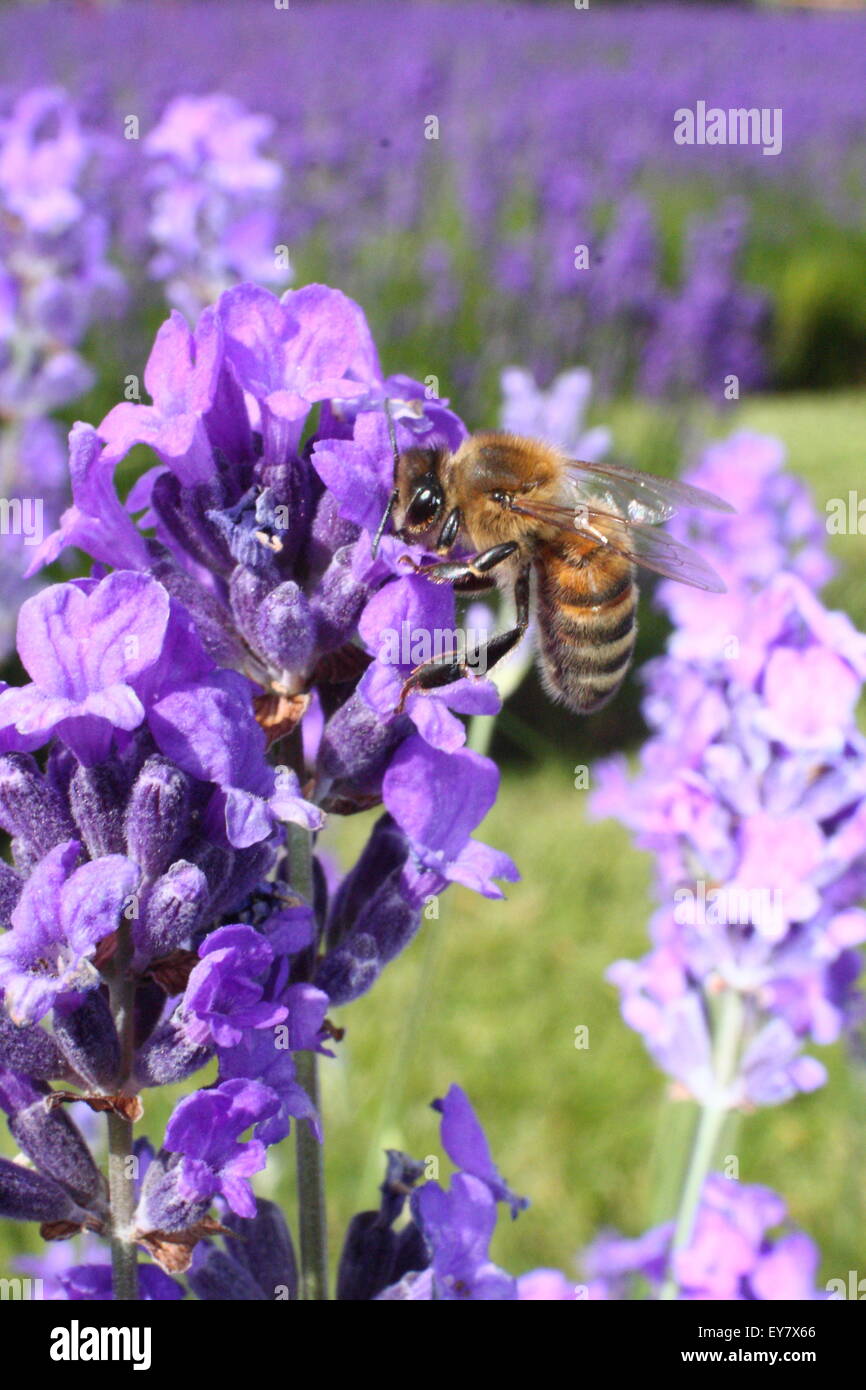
(453,667)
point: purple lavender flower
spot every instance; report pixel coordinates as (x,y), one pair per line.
(92,1283)
(205,1131)
(108,656)
(272,558)
(259,578)
(467,1147)
(86,644)
(266,1056)
(223,998)
(437,799)
(64,911)
(388,623)
(457,1224)
(181,378)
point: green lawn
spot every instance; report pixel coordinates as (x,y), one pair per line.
(491,993)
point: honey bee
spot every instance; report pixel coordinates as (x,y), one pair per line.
(562,537)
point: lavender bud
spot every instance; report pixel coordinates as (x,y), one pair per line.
(160,1206)
(59,769)
(97,796)
(57,1147)
(249,867)
(216,864)
(174,909)
(390,918)
(372,904)
(374,1255)
(411,1254)
(330,531)
(30,1050)
(357,744)
(349,971)
(248,590)
(337,605)
(367,1261)
(222,1279)
(149,1007)
(231,874)
(385,852)
(89,1040)
(168,1056)
(264,1247)
(219,638)
(30,809)
(11,884)
(183,513)
(157,815)
(284,628)
(28,1196)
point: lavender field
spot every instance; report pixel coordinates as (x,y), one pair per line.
(263,896)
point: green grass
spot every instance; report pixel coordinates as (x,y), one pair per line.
(490,995)
(494,994)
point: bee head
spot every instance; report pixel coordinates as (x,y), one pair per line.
(420,500)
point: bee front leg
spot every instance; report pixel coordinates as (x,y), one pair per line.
(455,571)
(453,667)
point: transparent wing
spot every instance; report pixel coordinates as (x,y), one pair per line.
(653,550)
(641,497)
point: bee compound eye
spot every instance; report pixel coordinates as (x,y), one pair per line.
(425,505)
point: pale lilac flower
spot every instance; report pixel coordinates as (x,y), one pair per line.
(556,415)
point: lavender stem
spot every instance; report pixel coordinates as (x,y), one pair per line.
(312,1214)
(710,1125)
(312,1223)
(121,1162)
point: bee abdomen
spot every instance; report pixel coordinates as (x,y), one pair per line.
(587,630)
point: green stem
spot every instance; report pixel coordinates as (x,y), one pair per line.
(124,1270)
(121,1162)
(312,1213)
(312,1216)
(710,1126)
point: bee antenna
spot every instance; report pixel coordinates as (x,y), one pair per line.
(392,435)
(380,529)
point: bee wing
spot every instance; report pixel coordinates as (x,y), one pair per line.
(641,497)
(652,550)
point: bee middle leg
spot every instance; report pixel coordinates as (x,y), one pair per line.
(453,667)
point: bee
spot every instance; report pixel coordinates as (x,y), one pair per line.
(564,538)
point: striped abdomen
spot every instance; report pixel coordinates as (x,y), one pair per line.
(586,604)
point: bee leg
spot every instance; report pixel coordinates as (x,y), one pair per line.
(452,571)
(447,669)
(450,531)
(474,584)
